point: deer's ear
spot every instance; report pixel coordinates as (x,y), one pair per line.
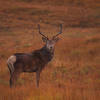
(56,39)
(44,39)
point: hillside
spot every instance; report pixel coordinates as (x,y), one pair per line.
(74,72)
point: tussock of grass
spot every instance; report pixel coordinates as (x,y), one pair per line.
(31,11)
(4,82)
(27,45)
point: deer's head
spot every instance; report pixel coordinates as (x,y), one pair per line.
(50,43)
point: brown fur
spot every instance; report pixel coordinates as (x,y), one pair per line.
(30,62)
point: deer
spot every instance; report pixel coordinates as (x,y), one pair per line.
(34,61)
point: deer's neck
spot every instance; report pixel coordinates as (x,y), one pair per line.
(45,49)
(47,53)
(43,54)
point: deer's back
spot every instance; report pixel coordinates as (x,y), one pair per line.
(26,62)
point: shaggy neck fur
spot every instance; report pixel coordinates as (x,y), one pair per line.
(44,54)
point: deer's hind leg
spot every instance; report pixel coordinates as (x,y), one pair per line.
(14,76)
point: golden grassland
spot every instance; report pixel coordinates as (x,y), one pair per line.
(74,72)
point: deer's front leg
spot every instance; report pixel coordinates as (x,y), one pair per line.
(37,78)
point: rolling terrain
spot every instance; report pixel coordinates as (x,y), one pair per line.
(74,72)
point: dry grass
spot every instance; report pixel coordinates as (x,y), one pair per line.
(74,73)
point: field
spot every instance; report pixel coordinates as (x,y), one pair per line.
(74,72)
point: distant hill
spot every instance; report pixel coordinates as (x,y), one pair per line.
(71,13)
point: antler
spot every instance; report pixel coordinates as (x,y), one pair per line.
(58,32)
(41,32)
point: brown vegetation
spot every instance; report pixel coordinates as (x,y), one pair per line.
(74,73)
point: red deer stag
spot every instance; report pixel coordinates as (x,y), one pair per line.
(34,61)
